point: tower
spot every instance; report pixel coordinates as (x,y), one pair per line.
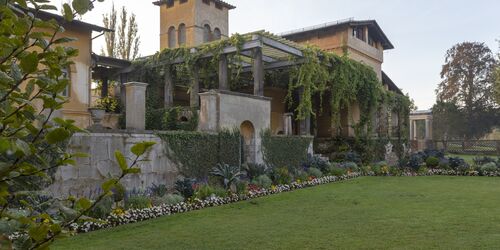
(192,22)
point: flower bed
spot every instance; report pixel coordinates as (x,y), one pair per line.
(136,215)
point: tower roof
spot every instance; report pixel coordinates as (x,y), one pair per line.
(227,5)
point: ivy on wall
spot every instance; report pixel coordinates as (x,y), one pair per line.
(197,153)
(284,151)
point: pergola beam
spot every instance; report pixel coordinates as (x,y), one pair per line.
(281,46)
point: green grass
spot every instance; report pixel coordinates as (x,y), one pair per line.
(370,212)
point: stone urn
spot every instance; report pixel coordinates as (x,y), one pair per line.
(97,115)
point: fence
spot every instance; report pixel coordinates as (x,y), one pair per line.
(487,147)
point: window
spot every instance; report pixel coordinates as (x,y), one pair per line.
(182,34)
(170,3)
(66,75)
(371,41)
(206,2)
(171,37)
(217,34)
(358,33)
(183,1)
(207,33)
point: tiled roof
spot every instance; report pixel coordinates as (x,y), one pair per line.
(351,22)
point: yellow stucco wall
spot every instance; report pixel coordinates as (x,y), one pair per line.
(194,14)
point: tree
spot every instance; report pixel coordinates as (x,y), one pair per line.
(497,78)
(468,83)
(127,45)
(32,58)
(447,121)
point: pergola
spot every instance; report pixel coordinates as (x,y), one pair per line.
(108,68)
(261,51)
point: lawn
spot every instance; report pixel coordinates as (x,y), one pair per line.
(369,212)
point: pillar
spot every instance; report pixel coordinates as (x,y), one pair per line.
(104,87)
(258,72)
(169,87)
(287,124)
(223,74)
(428,129)
(305,125)
(136,105)
(123,98)
(194,99)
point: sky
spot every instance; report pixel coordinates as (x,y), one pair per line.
(421,31)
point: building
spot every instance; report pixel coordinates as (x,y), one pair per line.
(78,91)
(192,22)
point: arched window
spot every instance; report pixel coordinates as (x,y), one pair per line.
(217,34)
(182,34)
(207,33)
(171,37)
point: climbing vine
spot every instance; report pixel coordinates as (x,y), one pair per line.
(318,73)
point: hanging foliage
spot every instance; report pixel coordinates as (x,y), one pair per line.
(317,73)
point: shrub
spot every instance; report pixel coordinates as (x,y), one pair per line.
(317,162)
(284,151)
(480,161)
(352,166)
(159,190)
(458,164)
(423,170)
(203,192)
(314,172)
(281,176)
(220,192)
(137,202)
(488,168)
(169,199)
(301,175)
(377,170)
(433,153)
(395,171)
(102,209)
(242,187)
(444,163)
(118,192)
(432,162)
(254,170)
(229,174)
(185,187)
(415,161)
(353,156)
(263,181)
(336,170)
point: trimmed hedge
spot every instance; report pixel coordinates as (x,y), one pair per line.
(285,151)
(197,153)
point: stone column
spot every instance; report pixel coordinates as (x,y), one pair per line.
(258,72)
(168,88)
(123,97)
(223,75)
(209,112)
(136,105)
(428,128)
(194,99)
(287,124)
(415,130)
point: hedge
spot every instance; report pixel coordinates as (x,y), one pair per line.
(285,151)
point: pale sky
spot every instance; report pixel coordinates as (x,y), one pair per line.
(421,31)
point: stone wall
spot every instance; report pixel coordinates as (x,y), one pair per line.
(85,178)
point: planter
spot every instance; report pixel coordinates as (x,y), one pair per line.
(97,115)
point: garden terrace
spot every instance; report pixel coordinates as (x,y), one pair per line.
(302,81)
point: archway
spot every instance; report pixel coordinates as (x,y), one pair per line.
(247,131)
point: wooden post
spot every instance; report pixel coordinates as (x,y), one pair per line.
(258,72)
(123,97)
(169,88)
(223,74)
(194,99)
(104,87)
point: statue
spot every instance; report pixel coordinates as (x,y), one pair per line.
(390,157)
